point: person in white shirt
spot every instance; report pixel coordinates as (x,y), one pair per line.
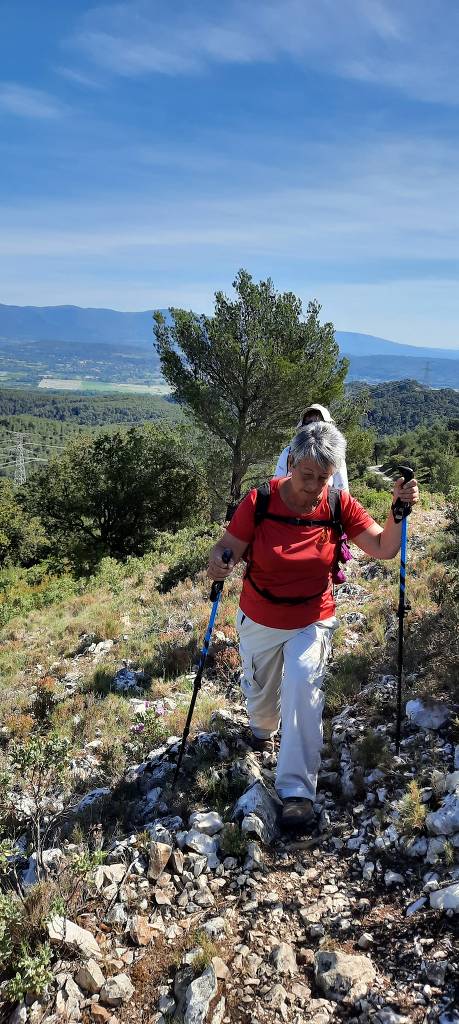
(312,413)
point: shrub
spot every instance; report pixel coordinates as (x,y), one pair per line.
(412,812)
(110,492)
(19,725)
(371,750)
(233,842)
(37,767)
(190,554)
(207,951)
(33,974)
(221,787)
(376,502)
(45,698)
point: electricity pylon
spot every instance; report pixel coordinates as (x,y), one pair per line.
(19,469)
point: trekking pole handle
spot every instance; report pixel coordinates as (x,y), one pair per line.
(407,473)
(401,508)
(217,585)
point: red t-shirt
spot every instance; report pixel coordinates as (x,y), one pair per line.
(290,561)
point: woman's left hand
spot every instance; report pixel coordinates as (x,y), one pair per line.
(408,492)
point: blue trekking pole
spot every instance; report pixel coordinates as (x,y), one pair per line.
(215,595)
(401,510)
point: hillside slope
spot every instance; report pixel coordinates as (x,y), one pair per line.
(191,915)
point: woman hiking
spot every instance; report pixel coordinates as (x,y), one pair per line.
(310,415)
(286,614)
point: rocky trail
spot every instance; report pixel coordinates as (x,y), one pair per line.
(203,912)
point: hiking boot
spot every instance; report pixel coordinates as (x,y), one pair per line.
(297,813)
(261,746)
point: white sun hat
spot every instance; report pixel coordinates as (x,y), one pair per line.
(324,413)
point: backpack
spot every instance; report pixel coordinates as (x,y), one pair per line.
(343,553)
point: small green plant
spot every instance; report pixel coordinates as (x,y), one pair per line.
(86,862)
(112,761)
(10,916)
(221,786)
(45,699)
(32,972)
(8,849)
(207,950)
(151,728)
(371,750)
(233,842)
(449,853)
(412,811)
(143,842)
(345,680)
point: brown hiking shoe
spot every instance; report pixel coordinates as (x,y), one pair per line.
(297,813)
(261,746)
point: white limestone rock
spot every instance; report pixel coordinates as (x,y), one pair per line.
(446,899)
(80,940)
(117,990)
(445,821)
(427,714)
(199,995)
(341,975)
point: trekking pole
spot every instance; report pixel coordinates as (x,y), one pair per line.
(215,595)
(401,511)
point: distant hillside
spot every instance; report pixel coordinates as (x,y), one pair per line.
(96,348)
(109,326)
(403,405)
(85,410)
(367,345)
(438,373)
(71,323)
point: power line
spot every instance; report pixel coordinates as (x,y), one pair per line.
(34,444)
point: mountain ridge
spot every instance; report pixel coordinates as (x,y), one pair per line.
(70,323)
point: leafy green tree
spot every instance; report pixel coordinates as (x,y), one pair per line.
(246,372)
(21,536)
(434,453)
(111,492)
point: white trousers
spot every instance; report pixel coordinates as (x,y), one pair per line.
(282,676)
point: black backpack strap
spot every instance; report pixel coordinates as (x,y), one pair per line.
(334,501)
(282,600)
(262,502)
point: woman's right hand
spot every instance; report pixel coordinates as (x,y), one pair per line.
(217,568)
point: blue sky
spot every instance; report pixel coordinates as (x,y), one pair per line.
(147,151)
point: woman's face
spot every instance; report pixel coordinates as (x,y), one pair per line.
(308,479)
(312,417)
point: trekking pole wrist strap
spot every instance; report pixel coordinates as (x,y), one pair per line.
(400,510)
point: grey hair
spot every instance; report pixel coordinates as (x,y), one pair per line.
(322,442)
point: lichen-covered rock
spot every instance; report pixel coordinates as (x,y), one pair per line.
(117,990)
(199,995)
(445,821)
(90,977)
(339,975)
(265,804)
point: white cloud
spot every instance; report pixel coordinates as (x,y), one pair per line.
(23,101)
(410,47)
(389,201)
(385,219)
(78,77)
